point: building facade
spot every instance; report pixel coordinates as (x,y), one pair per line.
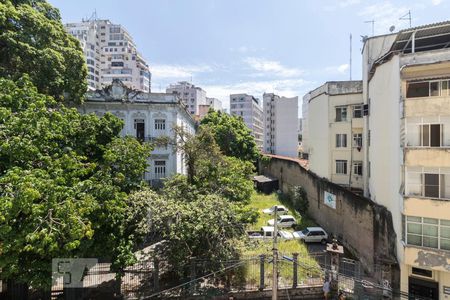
(333,132)
(406,78)
(146,116)
(280,125)
(249,109)
(110,54)
(191,95)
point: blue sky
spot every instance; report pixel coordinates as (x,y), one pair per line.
(253,46)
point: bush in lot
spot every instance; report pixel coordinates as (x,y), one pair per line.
(299,199)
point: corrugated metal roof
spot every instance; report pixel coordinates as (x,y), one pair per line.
(427,37)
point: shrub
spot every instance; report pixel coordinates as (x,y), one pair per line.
(299,199)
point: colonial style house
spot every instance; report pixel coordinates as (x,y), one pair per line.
(146,116)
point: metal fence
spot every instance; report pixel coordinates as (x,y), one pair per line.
(152,279)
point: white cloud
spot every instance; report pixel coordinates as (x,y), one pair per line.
(436,2)
(341,69)
(346,3)
(178,71)
(271,67)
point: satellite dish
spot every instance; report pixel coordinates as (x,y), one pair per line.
(392,28)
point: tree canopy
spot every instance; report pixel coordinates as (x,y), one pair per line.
(64,179)
(209,170)
(232,135)
(33,41)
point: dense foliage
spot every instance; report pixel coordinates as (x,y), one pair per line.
(232,135)
(202,226)
(209,170)
(64,179)
(34,41)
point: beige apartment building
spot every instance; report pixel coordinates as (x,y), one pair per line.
(406,145)
(333,131)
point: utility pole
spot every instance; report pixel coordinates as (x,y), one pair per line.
(275,256)
(373,26)
(350,56)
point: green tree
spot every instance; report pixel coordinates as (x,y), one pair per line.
(33,41)
(64,179)
(208,169)
(207,227)
(232,135)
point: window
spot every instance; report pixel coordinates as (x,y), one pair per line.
(117,64)
(341,140)
(357,111)
(427,89)
(160,169)
(418,89)
(341,114)
(431,185)
(357,168)
(341,167)
(422,272)
(427,232)
(357,140)
(431,135)
(160,124)
(139,126)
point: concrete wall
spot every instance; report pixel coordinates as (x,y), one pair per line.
(364,227)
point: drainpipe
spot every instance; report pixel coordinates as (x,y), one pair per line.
(413,41)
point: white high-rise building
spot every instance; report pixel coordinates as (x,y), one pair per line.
(110,54)
(191,95)
(280,125)
(250,110)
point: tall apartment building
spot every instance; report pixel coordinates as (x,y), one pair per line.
(212,103)
(406,82)
(249,109)
(333,130)
(110,54)
(191,95)
(280,125)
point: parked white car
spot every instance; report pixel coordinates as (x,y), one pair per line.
(312,235)
(281,210)
(266,232)
(283,221)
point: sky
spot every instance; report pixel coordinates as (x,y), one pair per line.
(254,46)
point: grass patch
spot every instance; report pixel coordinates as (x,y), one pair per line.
(260,201)
(308,267)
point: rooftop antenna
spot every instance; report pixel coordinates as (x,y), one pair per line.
(407,16)
(373,26)
(350,56)
(93,17)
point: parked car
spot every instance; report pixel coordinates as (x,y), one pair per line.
(312,235)
(266,232)
(281,210)
(283,221)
